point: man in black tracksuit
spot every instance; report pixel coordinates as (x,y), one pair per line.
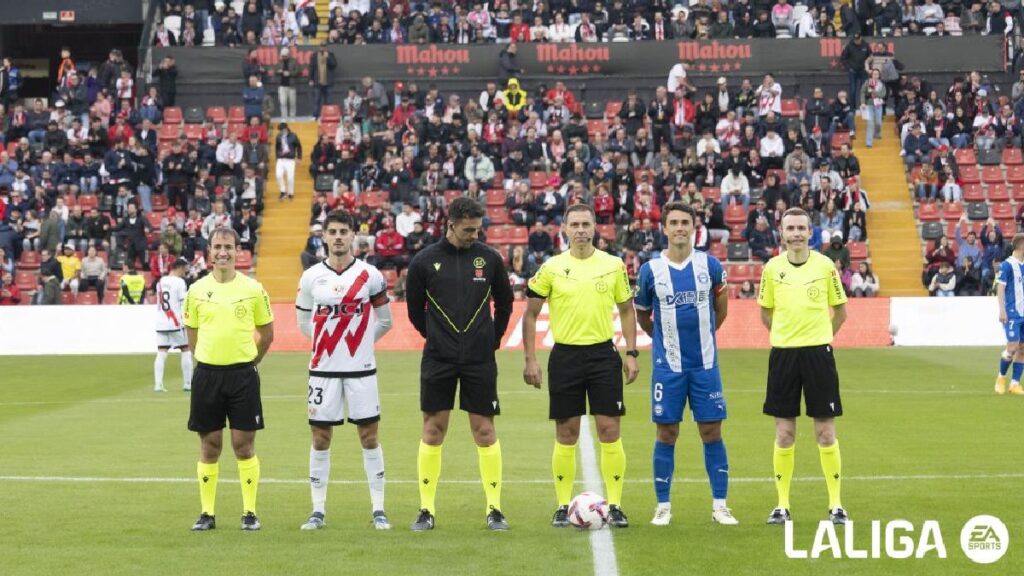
(448,289)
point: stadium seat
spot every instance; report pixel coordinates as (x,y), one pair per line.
(931,231)
(87,202)
(1012,157)
(974,193)
(87,297)
(236,114)
(606,231)
(596,126)
(498,215)
(390,276)
(236,128)
(840,138)
(29,260)
(1015,174)
(1007,227)
(740,272)
(735,214)
(496,197)
(519,235)
(169,132)
(977,210)
(373,199)
(155,219)
(25,280)
(193,132)
(1002,211)
(712,194)
(497,235)
(110,298)
(114,281)
(67,298)
(736,232)
(790,108)
(1017,192)
(244,260)
(499,176)
(951,211)
(858,250)
(718,250)
(538,179)
(612,109)
(324,183)
(969,174)
(173,115)
(330,113)
(194,115)
(927,212)
(329,130)
(738,252)
(998,193)
(217,115)
(450,195)
(965,156)
(992,175)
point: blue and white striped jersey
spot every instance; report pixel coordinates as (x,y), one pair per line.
(1010,275)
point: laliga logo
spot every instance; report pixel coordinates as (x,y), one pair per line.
(984,540)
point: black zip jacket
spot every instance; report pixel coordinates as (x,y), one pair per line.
(448,292)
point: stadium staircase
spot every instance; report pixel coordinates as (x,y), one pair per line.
(286,224)
(892,230)
(323,11)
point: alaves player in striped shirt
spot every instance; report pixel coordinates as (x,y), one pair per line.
(687,293)
(1010,292)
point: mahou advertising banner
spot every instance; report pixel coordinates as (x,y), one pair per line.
(629,60)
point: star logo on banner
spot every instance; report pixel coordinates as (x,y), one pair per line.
(702,67)
(433,72)
(561,69)
(726,67)
(410,70)
(572,70)
(736,66)
(420,71)
(456,69)
(596,68)
(714,67)
(585,69)
(444,71)
(551,68)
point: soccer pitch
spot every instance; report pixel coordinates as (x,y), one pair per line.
(97,475)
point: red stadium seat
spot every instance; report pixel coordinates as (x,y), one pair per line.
(193,132)
(328,129)
(497,235)
(992,175)
(498,215)
(88,202)
(519,235)
(736,232)
(927,212)
(450,195)
(110,298)
(973,193)
(330,113)
(155,218)
(216,114)
(88,297)
(538,179)
(244,260)
(712,194)
(735,214)
(236,128)
(29,260)
(25,280)
(969,174)
(612,109)
(858,250)
(236,114)
(951,211)
(606,231)
(1017,192)
(740,272)
(496,197)
(1015,174)
(840,138)
(169,132)
(1002,211)
(114,281)
(596,126)
(159,202)
(998,193)
(790,108)
(173,115)
(965,156)
(1007,227)
(67,298)
(1012,157)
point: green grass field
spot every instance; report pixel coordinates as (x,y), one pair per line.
(97,475)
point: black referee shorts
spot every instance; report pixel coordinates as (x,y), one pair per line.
(811,370)
(225,392)
(579,373)
(477,385)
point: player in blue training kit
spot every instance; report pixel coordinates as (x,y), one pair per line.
(1010,292)
(686,292)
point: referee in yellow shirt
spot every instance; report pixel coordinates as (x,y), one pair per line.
(803,305)
(583,287)
(222,310)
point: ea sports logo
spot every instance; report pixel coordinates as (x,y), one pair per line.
(984,539)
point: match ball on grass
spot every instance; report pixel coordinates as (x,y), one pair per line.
(588,511)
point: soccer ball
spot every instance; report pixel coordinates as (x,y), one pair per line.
(588,511)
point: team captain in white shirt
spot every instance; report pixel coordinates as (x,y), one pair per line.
(170,332)
(343,306)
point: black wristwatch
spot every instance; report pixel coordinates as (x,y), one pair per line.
(633,353)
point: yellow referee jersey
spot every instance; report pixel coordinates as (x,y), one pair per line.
(226,314)
(801,298)
(582,294)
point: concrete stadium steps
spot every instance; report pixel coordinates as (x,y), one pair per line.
(323,11)
(286,224)
(895,249)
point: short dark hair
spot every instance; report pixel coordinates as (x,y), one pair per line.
(226,231)
(581,208)
(677,207)
(1018,239)
(464,208)
(340,217)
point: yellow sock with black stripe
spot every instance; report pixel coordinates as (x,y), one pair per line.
(207,474)
(249,475)
(782,462)
(613,469)
(832,467)
(428,467)
(563,467)
(490,473)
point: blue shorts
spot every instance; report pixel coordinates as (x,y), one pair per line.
(670,392)
(1014,328)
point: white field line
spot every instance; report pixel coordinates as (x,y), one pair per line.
(602,547)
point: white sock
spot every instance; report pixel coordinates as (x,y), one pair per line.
(373,463)
(158,369)
(717,503)
(319,476)
(665,506)
(186,368)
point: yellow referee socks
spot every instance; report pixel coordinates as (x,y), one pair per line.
(208,485)
(563,467)
(613,469)
(490,473)
(428,466)
(249,475)
(832,467)
(782,462)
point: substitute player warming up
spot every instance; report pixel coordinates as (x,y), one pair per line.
(343,306)
(583,287)
(170,332)
(686,291)
(1010,292)
(222,311)
(803,305)
(450,288)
